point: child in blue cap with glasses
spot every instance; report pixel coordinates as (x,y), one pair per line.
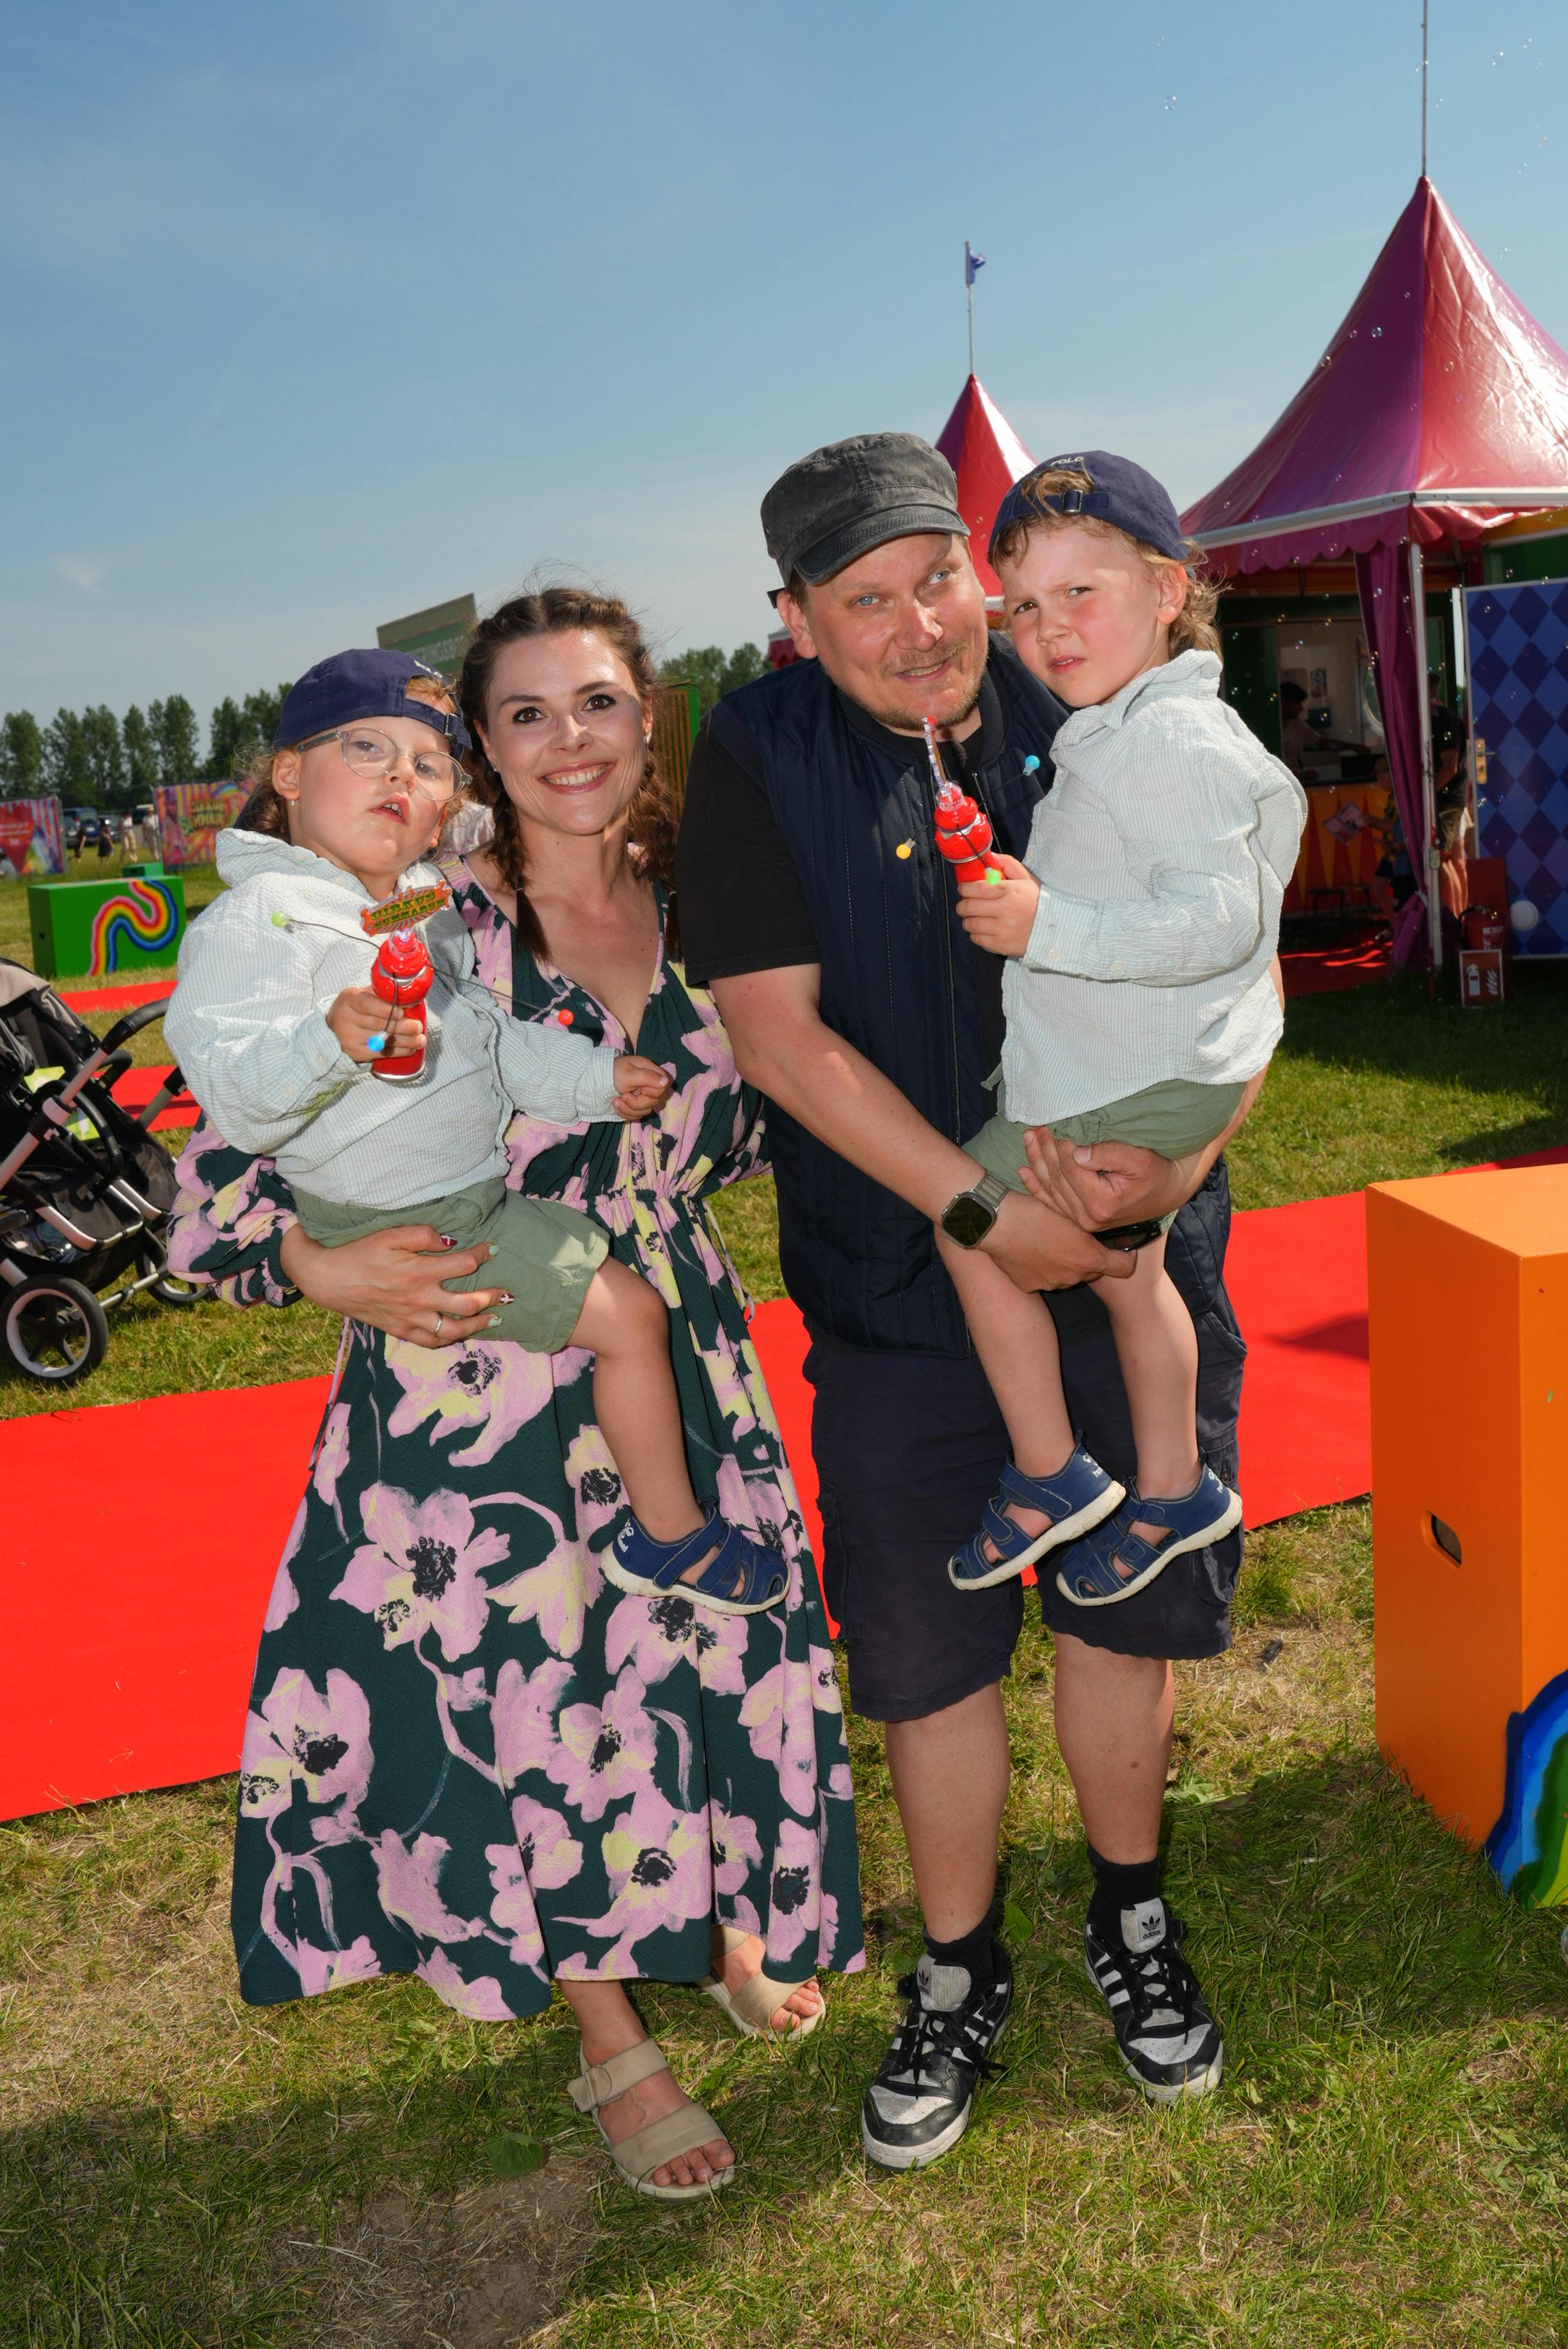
(278,1032)
(1140,933)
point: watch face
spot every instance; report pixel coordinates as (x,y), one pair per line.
(966,1219)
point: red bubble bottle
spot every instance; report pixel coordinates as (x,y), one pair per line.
(403,974)
(963,829)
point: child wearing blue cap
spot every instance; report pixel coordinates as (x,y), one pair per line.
(278,1032)
(1139,931)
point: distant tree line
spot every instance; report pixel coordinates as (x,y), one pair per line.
(712,671)
(91,758)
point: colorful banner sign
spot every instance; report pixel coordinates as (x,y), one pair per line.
(32,836)
(192,815)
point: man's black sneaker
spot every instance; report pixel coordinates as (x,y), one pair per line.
(918,2105)
(1166,2036)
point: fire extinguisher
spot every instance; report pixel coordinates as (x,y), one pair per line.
(1486,927)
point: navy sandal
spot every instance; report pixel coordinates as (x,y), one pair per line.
(1076,1498)
(638,1563)
(1088,1575)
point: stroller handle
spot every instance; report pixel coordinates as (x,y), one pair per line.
(135,1021)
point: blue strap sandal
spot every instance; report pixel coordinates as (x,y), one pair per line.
(1088,1574)
(1076,1498)
(743,1577)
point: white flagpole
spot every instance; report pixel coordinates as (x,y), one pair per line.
(969,300)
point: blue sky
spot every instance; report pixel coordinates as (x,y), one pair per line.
(317,312)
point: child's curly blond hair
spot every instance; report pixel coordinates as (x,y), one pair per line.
(1193,628)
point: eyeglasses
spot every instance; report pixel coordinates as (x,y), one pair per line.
(370,752)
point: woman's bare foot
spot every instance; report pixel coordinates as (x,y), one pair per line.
(609,2024)
(651,2100)
(735,1968)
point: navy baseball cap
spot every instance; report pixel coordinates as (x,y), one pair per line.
(361,685)
(1123,494)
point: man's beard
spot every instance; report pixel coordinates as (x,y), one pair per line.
(898,721)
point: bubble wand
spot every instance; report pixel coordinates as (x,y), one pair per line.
(963,833)
(404,973)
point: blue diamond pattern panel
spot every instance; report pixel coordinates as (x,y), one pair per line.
(1519,709)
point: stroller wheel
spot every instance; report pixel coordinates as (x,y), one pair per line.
(55,1328)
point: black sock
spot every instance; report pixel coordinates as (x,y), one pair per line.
(974,1951)
(1119,1888)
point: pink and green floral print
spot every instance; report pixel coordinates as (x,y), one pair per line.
(469,1756)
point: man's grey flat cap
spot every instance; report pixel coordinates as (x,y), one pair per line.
(853,495)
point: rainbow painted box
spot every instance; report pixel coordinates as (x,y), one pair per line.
(91,929)
(1467,1278)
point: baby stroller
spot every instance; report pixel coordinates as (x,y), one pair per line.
(84,1190)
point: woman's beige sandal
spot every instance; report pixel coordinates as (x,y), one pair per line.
(637,2156)
(752,2007)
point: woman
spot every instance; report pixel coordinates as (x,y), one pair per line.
(468,1756)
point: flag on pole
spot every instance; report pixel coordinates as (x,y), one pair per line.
(973,263)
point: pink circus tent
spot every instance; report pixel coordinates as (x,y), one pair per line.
(1438,412)
(988,457)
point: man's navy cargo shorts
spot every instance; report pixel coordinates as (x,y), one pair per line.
(909,1447)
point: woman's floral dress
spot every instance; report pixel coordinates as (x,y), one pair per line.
(468,1756)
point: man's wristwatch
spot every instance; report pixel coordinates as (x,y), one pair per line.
(969,1215)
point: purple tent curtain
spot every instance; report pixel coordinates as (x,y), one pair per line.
(1383,583)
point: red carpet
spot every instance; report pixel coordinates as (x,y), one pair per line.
(1323,970)
(117,998)
(142,1538)
(136,1088)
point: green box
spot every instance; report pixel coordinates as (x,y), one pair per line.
(138,872)
(93,929)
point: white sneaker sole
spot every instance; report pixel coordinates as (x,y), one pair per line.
(1062,1530)
(920,2157)
(1199,2084)
(640,1588)
(1222,1525)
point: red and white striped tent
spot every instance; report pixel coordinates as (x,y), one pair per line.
(988,457)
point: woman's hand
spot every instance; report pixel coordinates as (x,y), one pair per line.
(393,1280)
(1000,915)
(640,1086)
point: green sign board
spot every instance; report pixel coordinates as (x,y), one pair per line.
(436,637)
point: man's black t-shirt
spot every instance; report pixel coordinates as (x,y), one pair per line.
(742,904)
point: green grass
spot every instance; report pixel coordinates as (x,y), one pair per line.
(1387,2161)
(1386,2164)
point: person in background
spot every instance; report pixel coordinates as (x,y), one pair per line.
(1450,800)
(126,834)
(1297,738)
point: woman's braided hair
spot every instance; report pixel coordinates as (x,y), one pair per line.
(650,819)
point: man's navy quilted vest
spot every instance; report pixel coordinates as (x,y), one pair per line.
(898,975)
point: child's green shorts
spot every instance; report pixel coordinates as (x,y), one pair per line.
(546,1254)
(1174,1118)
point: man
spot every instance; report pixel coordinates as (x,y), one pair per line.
(813,902)
(1297,737)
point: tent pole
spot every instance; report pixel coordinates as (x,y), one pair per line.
(1429,800)
(1426,12)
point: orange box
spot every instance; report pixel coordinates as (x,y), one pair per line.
(1467,1286)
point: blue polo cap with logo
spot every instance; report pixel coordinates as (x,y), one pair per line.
(363,684)
(1123,493)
